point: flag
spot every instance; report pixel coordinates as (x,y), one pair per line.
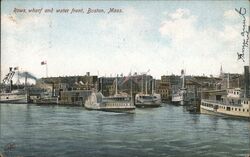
(16,68)
(43,62)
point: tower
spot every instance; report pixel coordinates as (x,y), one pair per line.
(221,71)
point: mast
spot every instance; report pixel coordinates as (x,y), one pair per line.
(183,78)
(153,82)
(131,91)
(142,84)
(228,80)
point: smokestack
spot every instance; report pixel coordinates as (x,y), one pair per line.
(11,85)
(246,81)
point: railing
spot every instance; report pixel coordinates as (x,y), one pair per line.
(219,102)
(212,101)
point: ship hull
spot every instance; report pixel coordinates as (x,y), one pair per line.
(116,110)
(21,101)
(224,110)
(127,110)
(147,105)
(221,114)
(14,99)
(181,103)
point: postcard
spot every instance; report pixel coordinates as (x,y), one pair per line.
(124,78)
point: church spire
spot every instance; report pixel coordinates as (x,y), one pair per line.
(221,71)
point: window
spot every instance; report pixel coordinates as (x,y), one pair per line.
(239,109)
(243,110)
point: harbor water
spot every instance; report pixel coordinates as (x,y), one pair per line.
(32,130)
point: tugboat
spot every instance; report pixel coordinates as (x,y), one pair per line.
(121,102)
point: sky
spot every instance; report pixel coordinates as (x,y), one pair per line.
(158,37)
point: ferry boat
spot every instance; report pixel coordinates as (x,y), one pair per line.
(233,104)
(147,100)
(179,96)
(116,103)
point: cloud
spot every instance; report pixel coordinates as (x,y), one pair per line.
(197,47)
(231,14)
(180,14)
(179,25)
(13,23)
(120,43)
(125,36)
(22,41)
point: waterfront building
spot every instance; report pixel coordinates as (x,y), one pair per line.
(163,88)
(65,90)
(167,84)
(105,85)
(74,97)
(232,80)
(86,82)
(193,91)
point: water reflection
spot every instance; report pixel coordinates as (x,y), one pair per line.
(74,131)
(214,122)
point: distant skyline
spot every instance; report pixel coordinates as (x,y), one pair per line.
(163,36)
